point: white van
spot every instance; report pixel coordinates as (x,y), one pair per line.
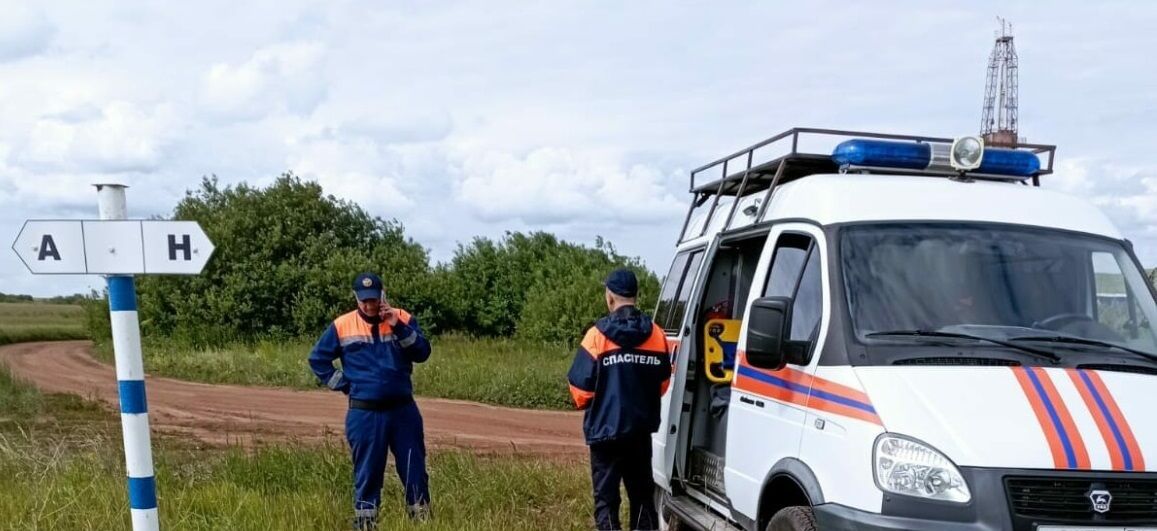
(903,333)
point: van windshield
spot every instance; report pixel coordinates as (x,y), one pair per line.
(997,281)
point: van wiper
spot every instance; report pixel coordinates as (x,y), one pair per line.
(955,335)
(1071,340)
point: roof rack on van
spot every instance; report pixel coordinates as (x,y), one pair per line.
(780,159)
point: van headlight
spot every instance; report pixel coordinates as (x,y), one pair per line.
(904,466)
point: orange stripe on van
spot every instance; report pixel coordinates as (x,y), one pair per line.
(1133,458)
(1116,455)
(796,387)
(1064,439)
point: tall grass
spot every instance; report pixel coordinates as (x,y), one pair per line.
(79,484)
(18,400)
(61,467)
(32,321)
(496,371)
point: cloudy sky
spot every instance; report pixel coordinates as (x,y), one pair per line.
(580,118)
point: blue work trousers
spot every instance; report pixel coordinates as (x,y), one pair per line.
(625,461)
(371,434)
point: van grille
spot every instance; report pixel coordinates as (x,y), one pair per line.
(1067,499)
(958,361)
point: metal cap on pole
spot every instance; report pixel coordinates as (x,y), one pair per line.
(111,200)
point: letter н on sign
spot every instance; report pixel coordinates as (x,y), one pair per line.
(175,247)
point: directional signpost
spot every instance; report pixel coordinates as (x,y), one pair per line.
(106,247)
(118,249)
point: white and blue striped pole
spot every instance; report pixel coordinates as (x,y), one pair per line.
(126,340)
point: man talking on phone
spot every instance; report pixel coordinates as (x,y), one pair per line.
(378,346)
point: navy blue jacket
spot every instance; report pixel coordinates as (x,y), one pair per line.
(376,360)
(619,375)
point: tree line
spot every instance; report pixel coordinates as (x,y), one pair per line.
(286,256)
(76,298)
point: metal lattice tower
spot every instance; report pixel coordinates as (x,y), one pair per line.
(998,126)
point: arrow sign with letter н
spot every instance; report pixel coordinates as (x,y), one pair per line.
(113,247)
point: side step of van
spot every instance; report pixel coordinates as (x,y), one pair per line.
(697,517)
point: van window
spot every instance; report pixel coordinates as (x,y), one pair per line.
(677,289)
(670,289)
(1116,307)
(1003,282)
(786,265)
(808,303)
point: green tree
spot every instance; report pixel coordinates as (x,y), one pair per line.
(532,285)
(285,256)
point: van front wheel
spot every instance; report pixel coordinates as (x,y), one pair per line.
(793,519)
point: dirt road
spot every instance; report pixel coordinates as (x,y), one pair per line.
(246,415)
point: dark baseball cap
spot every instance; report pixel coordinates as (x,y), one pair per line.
(622,282)
(367,286)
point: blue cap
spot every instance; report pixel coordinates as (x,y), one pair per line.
(367,286)
(622,282)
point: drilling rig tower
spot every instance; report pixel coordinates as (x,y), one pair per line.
(998,125)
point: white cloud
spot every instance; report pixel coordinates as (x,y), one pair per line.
(397,126)
(279,78)
(358,170)
(467,118)
(24,30)
(120,137)
(553,185)
(1127,194)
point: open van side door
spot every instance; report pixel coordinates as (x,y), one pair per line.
(671,313)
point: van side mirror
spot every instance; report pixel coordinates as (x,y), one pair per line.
(768,323)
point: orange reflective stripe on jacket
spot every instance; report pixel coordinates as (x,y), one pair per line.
(581,397)
(597,344)
(351,328)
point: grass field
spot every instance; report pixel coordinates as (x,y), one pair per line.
(31,321)
(495,371)
(61,467)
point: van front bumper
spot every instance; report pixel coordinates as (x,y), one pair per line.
(841,518)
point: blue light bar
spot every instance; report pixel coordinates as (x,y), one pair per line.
(918,156)
(999,161)
(883,153)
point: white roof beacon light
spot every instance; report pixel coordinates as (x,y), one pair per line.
(967,153)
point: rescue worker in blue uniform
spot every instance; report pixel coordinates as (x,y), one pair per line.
(378,346)
(618,376)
